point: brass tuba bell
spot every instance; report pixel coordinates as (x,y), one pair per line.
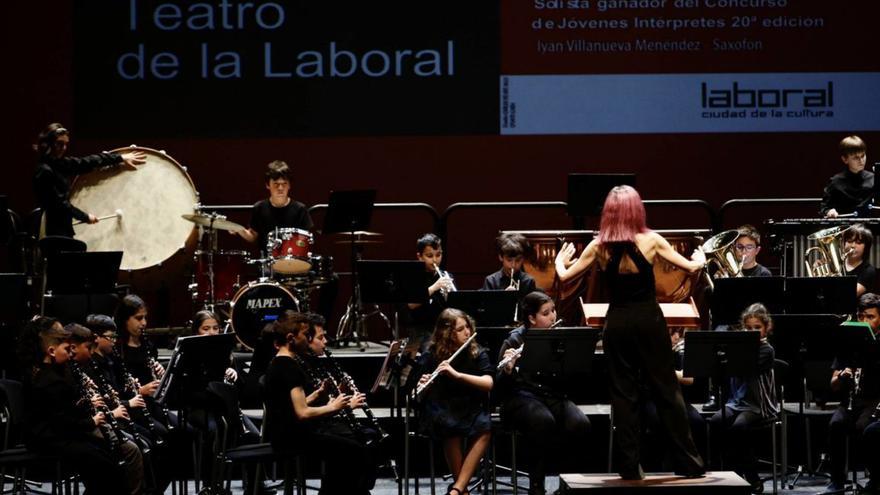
(829,257)
(720,251)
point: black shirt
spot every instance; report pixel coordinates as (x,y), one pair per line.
(758,270)
(847,192)
(866,275)
(420,321)
(282,376)
(52,179)
(55,408)
(869,382)
(501,281)
(137,360)
(265,218)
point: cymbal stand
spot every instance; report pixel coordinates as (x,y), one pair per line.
(351,325)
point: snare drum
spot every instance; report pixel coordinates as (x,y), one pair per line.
(230,267)
(256,305)
(290,250)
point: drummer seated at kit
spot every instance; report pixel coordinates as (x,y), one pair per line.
(511,250)
(852,190)
(857,241)
(747,247)
(279,210)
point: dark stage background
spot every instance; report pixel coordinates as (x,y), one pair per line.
(429,126)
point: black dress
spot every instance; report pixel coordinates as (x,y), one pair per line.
(454,409)
(639,353)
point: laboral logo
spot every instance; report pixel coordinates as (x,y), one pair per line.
(738,100)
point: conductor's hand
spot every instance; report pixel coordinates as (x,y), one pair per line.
(133,159)
(358,400)
(339,402)
(565,256)
(137,402)
(446,369)
(149,389)
(832,213)
(92,219)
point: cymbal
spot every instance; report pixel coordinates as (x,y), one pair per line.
(357,233)
(213,221)
(358,242)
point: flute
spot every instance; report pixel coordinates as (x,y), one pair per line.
(422,387)
(518,351)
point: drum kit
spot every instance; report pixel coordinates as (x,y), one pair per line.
(224,281)
(161,194)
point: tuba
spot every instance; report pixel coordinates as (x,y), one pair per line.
(829,257)
(719,250)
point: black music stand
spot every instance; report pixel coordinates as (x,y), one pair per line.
(350,211)
(587,193)
(558,355)
(196,360)
(733,295)
(821,295)
(392,282)
(488,308)
(720,355)
(81,283)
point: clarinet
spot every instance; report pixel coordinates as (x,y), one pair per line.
(133,385)
(857,378)
(157,375)
(348,382)
(109,393)
(110,430)
(347,412)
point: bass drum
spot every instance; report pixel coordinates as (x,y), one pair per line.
(151,200)
(256,305)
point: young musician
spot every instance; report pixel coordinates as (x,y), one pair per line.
(296,423)
(429,250)
(853,418)
(62,419)
(636,341)
(455,405)
(137,353)
(751,401)
(511,251)
(852,190)
(206,323)
(747,247)
(54,173)
(857,240)
(279,210)
(537,408)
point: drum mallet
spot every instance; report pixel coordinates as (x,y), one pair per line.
(117,214)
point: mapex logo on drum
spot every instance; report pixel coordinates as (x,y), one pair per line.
(271,302)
